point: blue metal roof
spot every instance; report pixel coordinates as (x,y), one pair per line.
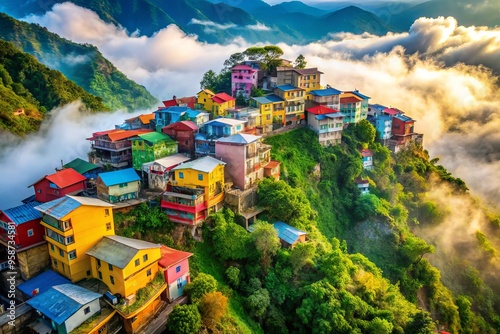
(119,176)
(60,207)
(268,99)
(287,233)
(326,92)
(364,97)
(404,118)
(23,213)
(42,282)
(288,87)
(174,109)
(60,302)
(378,106)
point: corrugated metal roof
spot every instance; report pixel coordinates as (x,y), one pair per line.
(119,251)
(155,137)
(205,164)
(23,213)
(350,99)
(326,92)
(167,162)
(288,87)
(119,176)
(42,282)
(404,118)
(60,302)
(66,177)
(222,97)
(321,110)
(364,97)
(183,124)
(225,122)
(61,207)
(170,256)
(239,138)
(81,166)
(288,233)
(268,99)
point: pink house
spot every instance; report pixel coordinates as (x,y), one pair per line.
(243,77)
(175,265)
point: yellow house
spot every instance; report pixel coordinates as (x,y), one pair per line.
(308,78)
(73,225)
(220,103)
(205,99)
(272,108)
(125,265)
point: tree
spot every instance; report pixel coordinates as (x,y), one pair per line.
(365,132)
(269,56)
(223,235)
(233,276)
(241,101)
(212,306)
(210,81)
(267,243)
(233,60)
(415,248)
(201,285)
(184,319)
(300,62)
(256,92)
(258,302)
(302,254)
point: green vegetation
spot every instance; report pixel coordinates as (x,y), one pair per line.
(144,294)
(184,319)
(81,63)
(33,89)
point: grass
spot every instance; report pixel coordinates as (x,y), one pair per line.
(204,261)
(94,320)
(143,295)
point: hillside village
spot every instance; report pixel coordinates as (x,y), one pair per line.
(197,154)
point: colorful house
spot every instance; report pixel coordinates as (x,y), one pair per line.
(151,146)
(382,122)
(118,186)
(87,169)
(272,109)
(367,156)
(294,102)
(189,101)
(213,130)
(403,133)
(245,156)
(221,102)
(307,79)
(170,115)
(158,171)
(289,236)
(175,267)
(243,78)
(272,169)
(204,99)
(328,97)
(142,121)
(41,283)
(113,147)
(59,184)
(251,116)
(363,185)
(65,307)
(183,133)
(125,265)
(327,123)
(358,105)
(72,226)
(195,190)
(20,230)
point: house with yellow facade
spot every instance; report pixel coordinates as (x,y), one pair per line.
(308,78)
(73,225)
(217,104)
(204,99)
(195,190)
(271,107)
(294,98)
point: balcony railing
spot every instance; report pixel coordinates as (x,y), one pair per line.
(116,146)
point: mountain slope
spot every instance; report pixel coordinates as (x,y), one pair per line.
(300,7)
(28,90)
(83,64)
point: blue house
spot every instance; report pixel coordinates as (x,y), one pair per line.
(289,236)
(170,115)
(204,141)
(42,283)
(65,307)
(118,186)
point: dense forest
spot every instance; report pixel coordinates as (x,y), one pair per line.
(29,89)
(364,269)
(81,63)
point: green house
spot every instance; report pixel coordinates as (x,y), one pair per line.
(150,146)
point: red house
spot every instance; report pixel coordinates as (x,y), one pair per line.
(189,102)
(31,254)
(175,265)
(403,133)
(183,133)
(57,185)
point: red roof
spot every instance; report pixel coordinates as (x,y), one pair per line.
(391,111)
(366,153)
(243,67)
(169,103)
(222,97)
(272,164)
(361,181)
(350,99)
(321,110)
(66,177)
(170,256)
(123,134)
(187,124)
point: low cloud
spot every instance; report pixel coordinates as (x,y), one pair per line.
(258,27)
(212,24)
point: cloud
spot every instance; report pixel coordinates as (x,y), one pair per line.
(212,24)
(61,138)
(258,27)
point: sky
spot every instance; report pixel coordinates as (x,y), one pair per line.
(439,72)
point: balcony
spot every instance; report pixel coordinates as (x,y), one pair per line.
(112,146)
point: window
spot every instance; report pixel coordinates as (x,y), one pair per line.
(200,177)
(177,269)
(181,175)
(30,232)
(98,262)
(110,266)
(69,240)
(88,272)
(145,258)
(179,283)
(123,185)
(86,310)
(55,263)
(148,273)
(61,252)
(39,191)
(100,275)
(72,255)
(137,262)
(112,280)
(52,248)
(108,226)
(106,212)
